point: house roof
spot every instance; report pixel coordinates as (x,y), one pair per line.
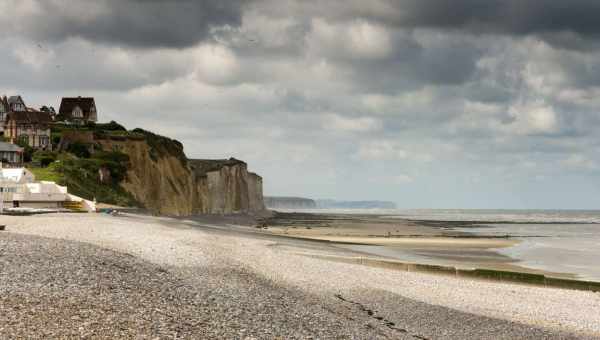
(68,104)
(8,147)
(15,99)
(30,117)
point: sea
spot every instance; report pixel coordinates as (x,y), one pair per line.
(561,241)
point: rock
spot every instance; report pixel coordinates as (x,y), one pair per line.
(104,175)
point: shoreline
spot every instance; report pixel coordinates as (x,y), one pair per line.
(441,244)
(483,247)
(418,240)
(413,241)
(199,254)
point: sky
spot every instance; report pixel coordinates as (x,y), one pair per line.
(427,103)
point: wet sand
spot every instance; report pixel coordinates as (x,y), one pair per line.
(416,242)
(406,240)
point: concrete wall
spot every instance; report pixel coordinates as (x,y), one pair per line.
(37,205)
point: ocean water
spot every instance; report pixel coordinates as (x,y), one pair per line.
(563,248)
(491,215)
(562,241)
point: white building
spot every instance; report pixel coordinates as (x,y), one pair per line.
(18,189)
(17,175)
(11,153)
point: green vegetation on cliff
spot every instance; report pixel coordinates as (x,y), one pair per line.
(50,173)
(136,167)
(82,176)
(161,146)
(81,164)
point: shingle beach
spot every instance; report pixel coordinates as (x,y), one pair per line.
(99,276)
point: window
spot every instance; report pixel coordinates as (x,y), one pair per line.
(77,113)
(44,140)
(24,139)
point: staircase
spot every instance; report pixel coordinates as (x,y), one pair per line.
(74,206)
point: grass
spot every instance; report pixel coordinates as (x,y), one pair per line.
(80,176)
(50,173)
(79,171)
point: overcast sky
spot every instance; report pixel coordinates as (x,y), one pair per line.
(431,104)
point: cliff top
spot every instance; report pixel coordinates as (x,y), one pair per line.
(203,166)
(163,146)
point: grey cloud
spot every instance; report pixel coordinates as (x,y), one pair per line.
(411,65)
(440,89)
(569,24)
(487,93)
(140,23)
(498,16)
(83,68)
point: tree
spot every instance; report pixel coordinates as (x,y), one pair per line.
(27,150)
(79,149)
(48,109)
(59,118)
(44,158)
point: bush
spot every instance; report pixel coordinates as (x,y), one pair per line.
(161,146)
(79,149)
(44,158)
(112,156)
(82,178)
(116,162)
(55,138)
(27,150)
(111,126)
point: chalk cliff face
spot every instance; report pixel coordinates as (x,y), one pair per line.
(226,186)
(162,179)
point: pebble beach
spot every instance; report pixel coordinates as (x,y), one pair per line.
(101,276)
